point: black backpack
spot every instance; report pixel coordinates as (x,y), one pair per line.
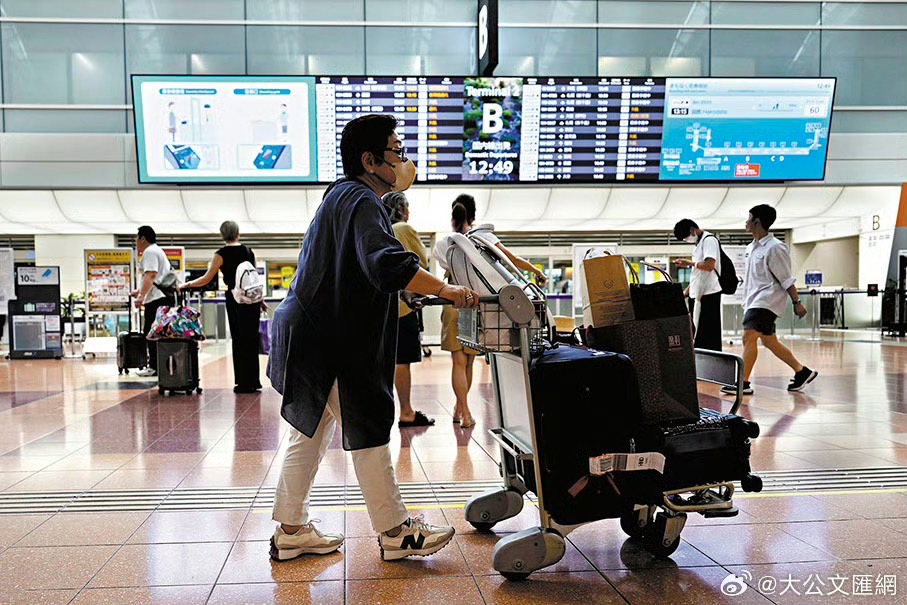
(727,275)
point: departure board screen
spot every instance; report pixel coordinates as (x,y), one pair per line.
(520,130)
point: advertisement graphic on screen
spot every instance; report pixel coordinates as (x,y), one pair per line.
(245,129)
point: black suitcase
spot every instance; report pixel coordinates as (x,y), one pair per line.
(586,404)
(177,366)
(132,351)
(714,450)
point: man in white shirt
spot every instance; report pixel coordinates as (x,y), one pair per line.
(154,266)
(766,289)
(704,291)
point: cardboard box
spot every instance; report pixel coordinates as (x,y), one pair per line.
(606,292)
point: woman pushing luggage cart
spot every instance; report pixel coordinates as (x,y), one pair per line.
(571,429)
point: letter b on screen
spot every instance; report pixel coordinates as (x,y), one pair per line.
(491,118)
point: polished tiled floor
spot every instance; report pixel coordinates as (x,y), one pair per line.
(74,426)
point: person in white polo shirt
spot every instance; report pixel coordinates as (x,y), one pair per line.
(704,291)
(154,266)
(767,288)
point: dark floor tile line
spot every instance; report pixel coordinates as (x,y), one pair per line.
(230,552)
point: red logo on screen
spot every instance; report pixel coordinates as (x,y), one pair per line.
(747,170)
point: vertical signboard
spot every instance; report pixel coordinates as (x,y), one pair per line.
(176,255)
(488,37)
(108,280)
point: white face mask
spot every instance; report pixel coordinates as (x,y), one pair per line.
(692,239)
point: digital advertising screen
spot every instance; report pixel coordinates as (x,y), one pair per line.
(521,130)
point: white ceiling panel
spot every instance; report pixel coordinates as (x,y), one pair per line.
(576,203)
(277,205)
(67,228)
(633,204)
(154,207)
(284,227)
(518,204)
(692,202)
(739,200)
(30,207)
(214,206)
(856,201)
(21,229)
(93,207)
(807,202)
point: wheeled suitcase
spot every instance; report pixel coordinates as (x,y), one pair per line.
(132,351)
(177,366)
(716,449)
(586,404)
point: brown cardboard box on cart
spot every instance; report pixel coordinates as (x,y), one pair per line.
(606,292)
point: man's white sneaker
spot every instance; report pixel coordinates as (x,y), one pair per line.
(307,541)
(145,372)
(416,538)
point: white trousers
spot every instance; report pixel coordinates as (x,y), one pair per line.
(373,469)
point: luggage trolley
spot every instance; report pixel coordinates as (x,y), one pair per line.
(510,328)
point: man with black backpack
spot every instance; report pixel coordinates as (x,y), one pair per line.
(712,275)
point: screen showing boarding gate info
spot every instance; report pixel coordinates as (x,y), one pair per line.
(523,130)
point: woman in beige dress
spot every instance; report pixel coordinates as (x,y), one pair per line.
(463,218)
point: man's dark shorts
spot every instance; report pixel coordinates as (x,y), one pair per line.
(760,320)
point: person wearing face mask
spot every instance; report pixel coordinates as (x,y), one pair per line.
(704,291)
(345,292)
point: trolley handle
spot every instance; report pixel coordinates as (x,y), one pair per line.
(435,301)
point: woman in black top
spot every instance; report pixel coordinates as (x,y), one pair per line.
(243,318)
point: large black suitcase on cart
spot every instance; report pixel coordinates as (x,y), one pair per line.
(177,366)
(132,351)
(586,404)
(714,450)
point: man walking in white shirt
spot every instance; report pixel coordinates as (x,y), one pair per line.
(766,289)
(704,291)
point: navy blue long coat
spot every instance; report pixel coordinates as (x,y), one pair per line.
(339,320)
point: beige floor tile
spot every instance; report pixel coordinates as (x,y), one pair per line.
(49,568)
(425,591)
(78,529)
(296,593)
(250,563)
(582,588)
(163,565)
(190,526)
(153,595)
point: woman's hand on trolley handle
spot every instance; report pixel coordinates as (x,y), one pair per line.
(461,296)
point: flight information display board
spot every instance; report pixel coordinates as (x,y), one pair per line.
(487,129)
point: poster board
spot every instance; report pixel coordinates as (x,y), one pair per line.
(109,277)
(581,251)
(737,254)
(177,257)
(7,279)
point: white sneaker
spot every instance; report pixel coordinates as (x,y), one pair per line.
(416,538)
(146,372)
(307,541)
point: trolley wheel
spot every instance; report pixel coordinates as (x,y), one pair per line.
(656,539)
(161,392)
(426,352)
(119,370)
(658,549)
(172,392)
(514,576)
(630,523)
(198,390)
(751,483)
(483,527)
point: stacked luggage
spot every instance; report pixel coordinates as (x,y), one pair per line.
(177,331)
(592,432)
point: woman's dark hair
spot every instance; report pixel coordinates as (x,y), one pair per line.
(365,133)
(463,211)
(396,204)
(148,233)
(683,227)
(766,215)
